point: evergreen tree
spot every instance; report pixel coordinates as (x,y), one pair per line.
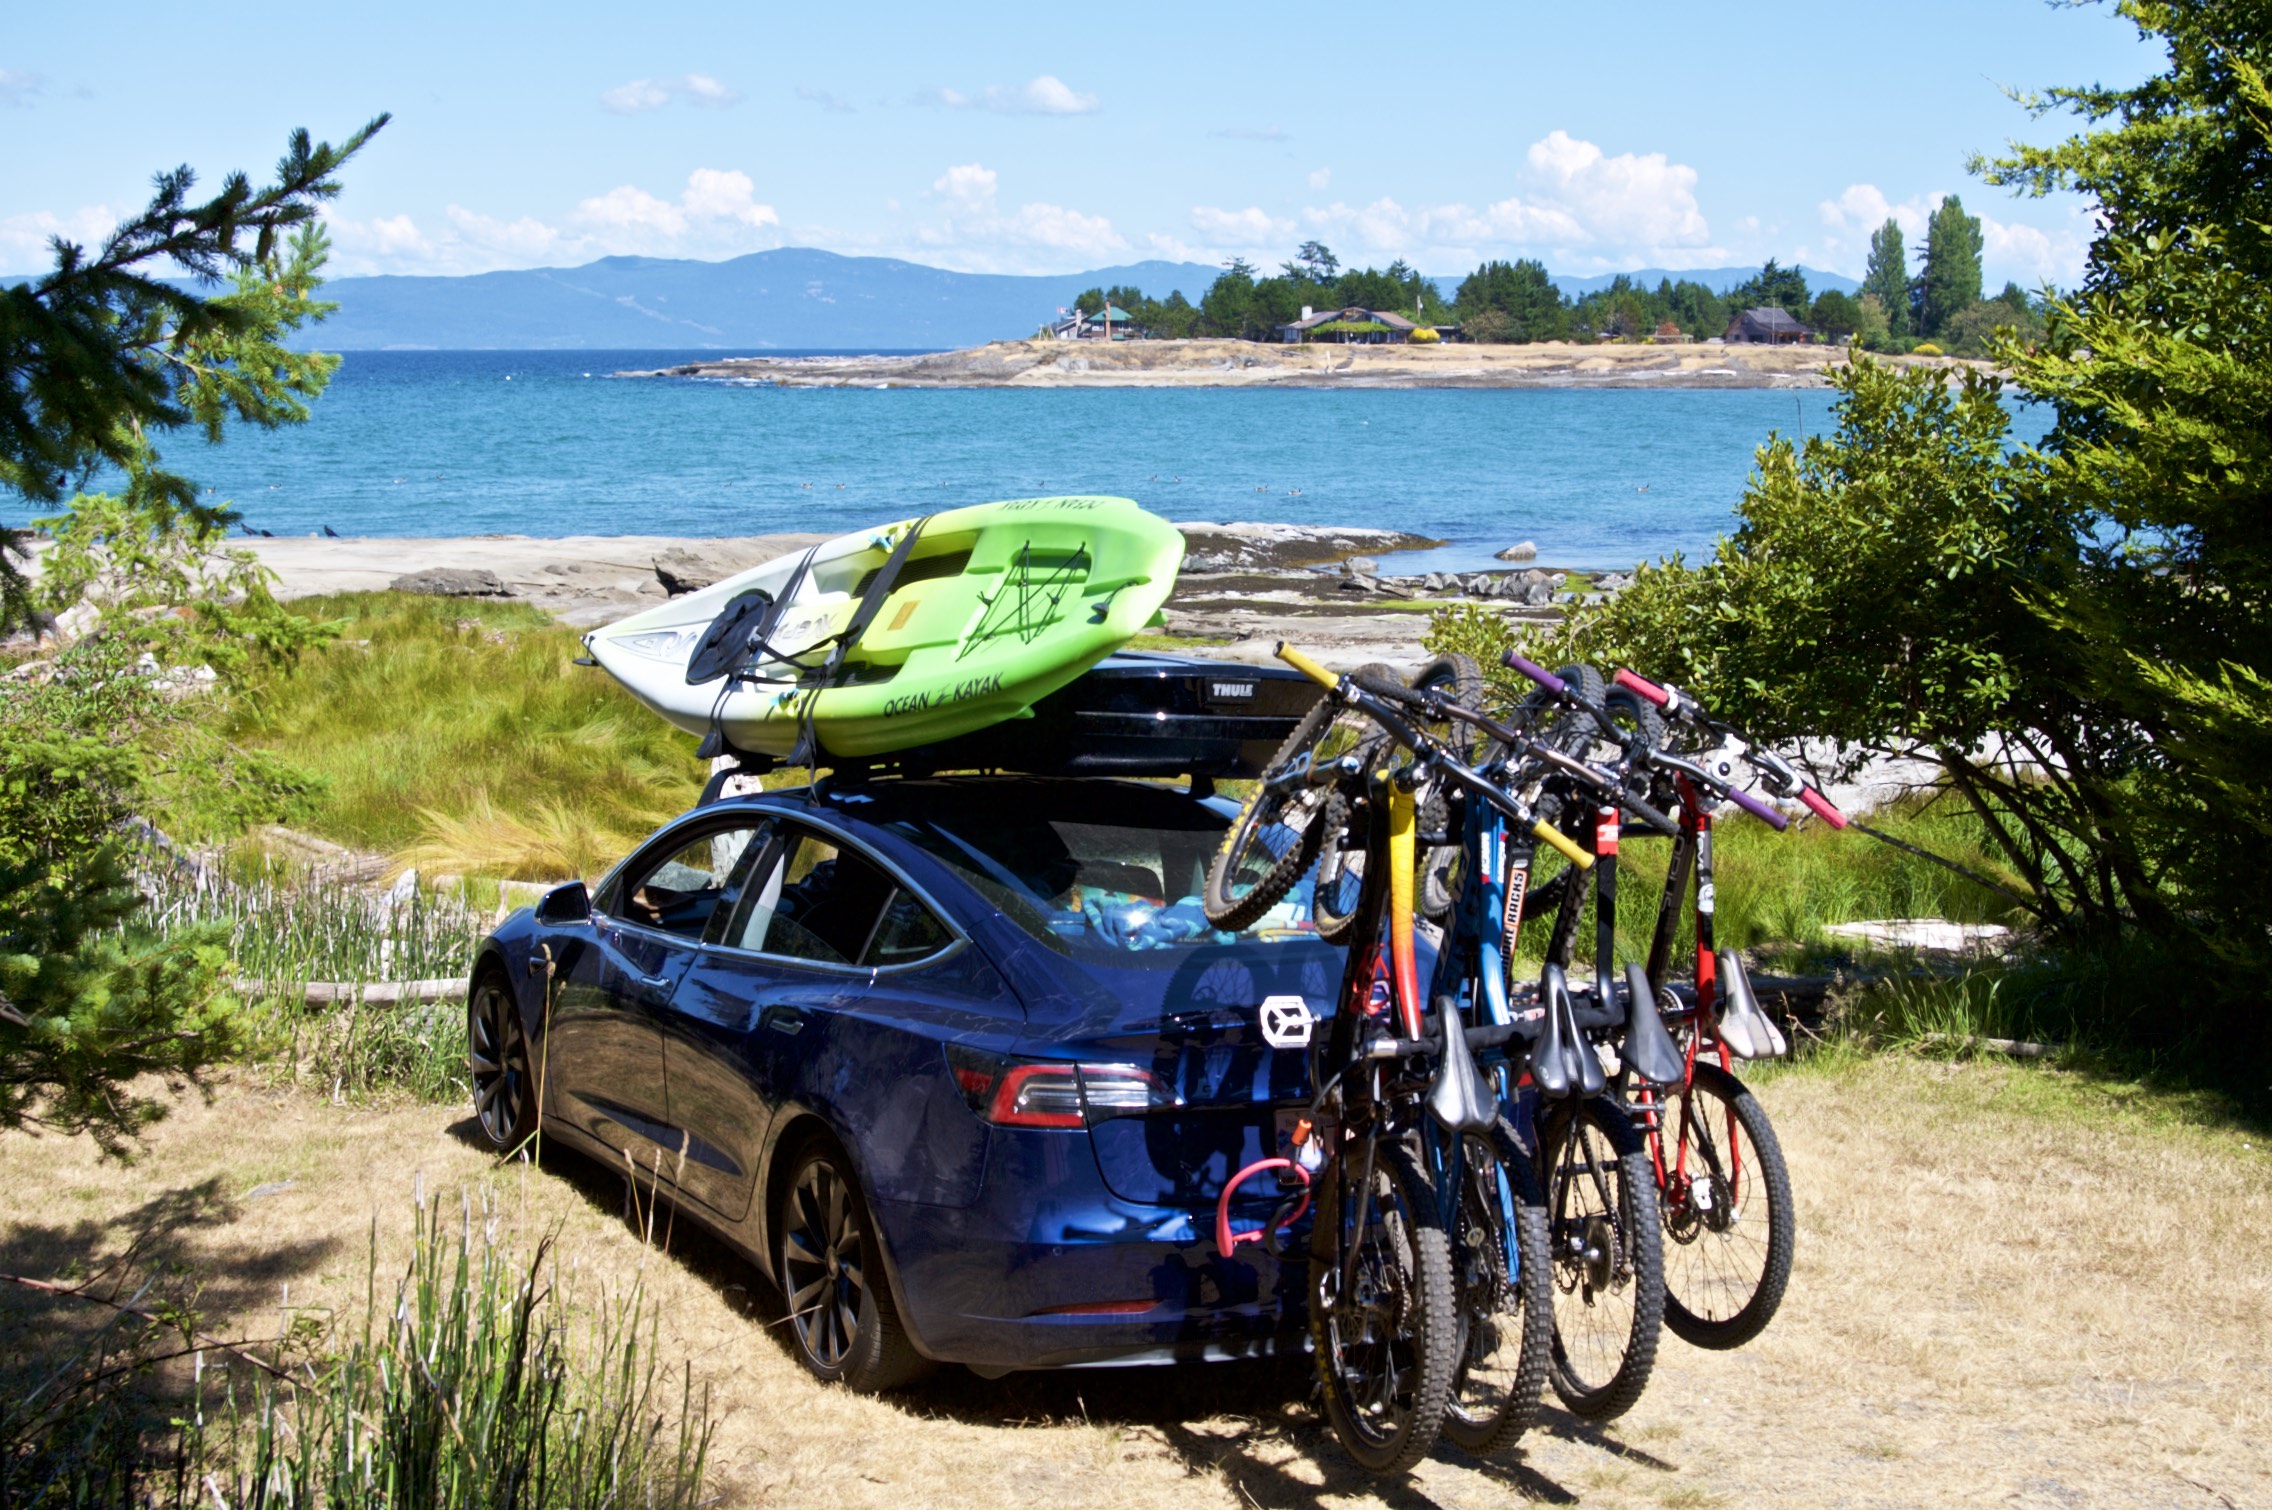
(97,360)
(1950,281)
(1887,276)
(1773,286)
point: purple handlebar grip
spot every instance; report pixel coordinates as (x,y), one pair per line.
(1822,807)
(1758,809)
(1640,687)
(1537,673)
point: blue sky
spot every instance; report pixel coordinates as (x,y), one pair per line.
(1047,138)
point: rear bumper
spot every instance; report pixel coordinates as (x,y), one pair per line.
(1101,1282)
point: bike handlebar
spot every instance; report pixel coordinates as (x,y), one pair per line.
(1374,707)
(1516,661)
(1307,667)
(1822,807)
(1641,688)
(1778,771)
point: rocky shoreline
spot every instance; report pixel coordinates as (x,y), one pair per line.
(1244,586)
(1250,364)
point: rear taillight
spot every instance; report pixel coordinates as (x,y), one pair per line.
(1051,1093)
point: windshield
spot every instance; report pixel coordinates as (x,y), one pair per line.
(1096,868)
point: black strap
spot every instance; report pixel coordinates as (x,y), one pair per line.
(872,601)
(808,748)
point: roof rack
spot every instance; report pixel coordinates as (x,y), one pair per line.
(1135,713)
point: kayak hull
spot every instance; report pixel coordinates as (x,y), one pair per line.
(995,606)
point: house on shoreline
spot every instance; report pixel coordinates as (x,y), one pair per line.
(1371,327)
(1771,326)
(1111,323)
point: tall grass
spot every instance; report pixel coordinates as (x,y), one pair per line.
(476,1379)
(285,932)
(464,733)
(1779,892)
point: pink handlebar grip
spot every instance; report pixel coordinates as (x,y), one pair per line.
(1822,807)
(1640,687)
(1758,809)
(1514,661)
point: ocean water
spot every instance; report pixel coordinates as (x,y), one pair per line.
(549,443)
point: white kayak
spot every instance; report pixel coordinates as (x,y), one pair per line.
(986,610)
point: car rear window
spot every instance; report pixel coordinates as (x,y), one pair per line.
(1096,868)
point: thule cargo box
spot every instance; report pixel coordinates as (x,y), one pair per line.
(1136,713)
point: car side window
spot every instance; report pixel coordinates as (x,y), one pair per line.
(813,899)
(680,891)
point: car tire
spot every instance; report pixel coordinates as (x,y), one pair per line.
(500,1064)
(839,1310)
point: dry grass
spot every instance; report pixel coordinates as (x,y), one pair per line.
(2012,1287)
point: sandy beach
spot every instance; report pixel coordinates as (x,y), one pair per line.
(1250,364)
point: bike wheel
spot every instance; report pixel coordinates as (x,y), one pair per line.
(1726,1201)
(1382,1317)
(1275,837)
(1608,1253)
(1506,1295)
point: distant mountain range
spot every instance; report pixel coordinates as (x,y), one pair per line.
(796,298)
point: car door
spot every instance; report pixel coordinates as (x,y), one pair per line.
(603,1065)
(832,982)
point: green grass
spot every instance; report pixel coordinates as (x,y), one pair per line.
(460,737)
(1174,642)
(1778,892)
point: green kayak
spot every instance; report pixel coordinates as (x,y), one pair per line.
(896,637)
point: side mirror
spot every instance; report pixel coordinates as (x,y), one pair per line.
(570,903)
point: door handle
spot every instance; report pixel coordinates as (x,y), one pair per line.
(787,1021)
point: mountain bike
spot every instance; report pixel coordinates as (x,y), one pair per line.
(1725,1190)
(1426,1252)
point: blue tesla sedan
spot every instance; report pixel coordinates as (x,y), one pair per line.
(957,1061)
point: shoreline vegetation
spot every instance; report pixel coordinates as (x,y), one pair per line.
(1214,363)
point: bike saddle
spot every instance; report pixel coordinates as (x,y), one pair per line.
(1563,1042)
(1746,1030)
(1649,1050)
(1461,1100)
(1549,1065)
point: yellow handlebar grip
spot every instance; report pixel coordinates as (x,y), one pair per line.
(1563,842)
(1306,666)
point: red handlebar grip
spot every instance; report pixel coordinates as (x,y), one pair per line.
(1640,687)
(1514,661)
(1821,807)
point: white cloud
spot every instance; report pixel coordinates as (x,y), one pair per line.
(716,210)
(24,238)
(975,234)
(653,94)
(2010,250)
(1044,94)
(628,207)
(1637,200)
(717,214)
(1249,227)
(17,89)
(836,104)
(519,242)
(969,186)
(2031,256)
(1862,208)
(1576,205)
